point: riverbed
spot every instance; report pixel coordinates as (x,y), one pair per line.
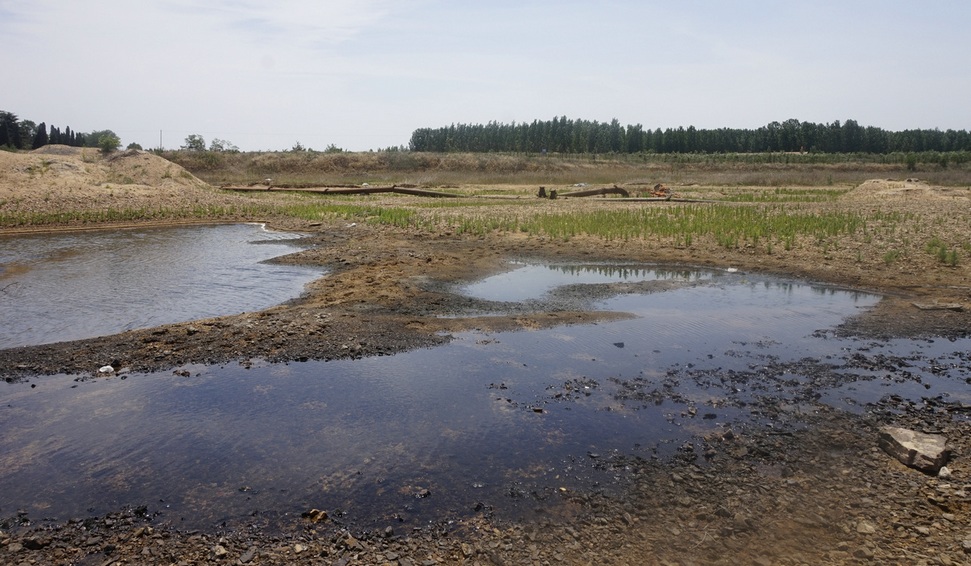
(505,422)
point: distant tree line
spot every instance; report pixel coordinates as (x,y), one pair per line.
(564,135)
(25,134)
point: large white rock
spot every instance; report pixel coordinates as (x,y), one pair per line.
(925,452)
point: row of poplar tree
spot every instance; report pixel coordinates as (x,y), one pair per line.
(25,134)
(564,135)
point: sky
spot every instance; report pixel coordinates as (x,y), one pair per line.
(364,74)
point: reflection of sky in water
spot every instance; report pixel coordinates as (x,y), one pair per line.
(80,285)
(741,308)
(460,420)
(534,281)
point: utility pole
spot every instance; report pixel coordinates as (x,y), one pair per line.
(160,140)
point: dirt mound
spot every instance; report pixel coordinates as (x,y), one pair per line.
(143,168)
(58,177)
(66,151)
(880,189)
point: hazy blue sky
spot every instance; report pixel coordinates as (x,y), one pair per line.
(363,74)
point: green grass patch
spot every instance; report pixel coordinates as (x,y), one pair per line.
(209,212)
(942,252)
(891,257)
(788,195)
(730,226)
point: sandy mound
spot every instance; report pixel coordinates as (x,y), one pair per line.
(881,189)
(144,168)
(67,151)
(58,177)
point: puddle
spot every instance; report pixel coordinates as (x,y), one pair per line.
(105,282)
(527,282)
(497,423)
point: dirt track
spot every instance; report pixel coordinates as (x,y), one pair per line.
(822,495)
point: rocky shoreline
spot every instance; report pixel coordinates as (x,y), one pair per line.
(824,494)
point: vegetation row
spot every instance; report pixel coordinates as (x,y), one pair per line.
(564,135)
(25,134)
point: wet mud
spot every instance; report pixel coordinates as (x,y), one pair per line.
(803,483)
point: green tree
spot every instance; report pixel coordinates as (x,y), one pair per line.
(911,162)
(93,139)
(222,145)
(27,131)
(852,137)
(108,142)
(9,131)
(40,137)
(564,135)
(134,145)
(194,142)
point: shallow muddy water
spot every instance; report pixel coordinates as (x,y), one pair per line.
(58,287)
(500,422)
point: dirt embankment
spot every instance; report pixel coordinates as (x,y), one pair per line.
(821,494)
(66,186)
(63,177)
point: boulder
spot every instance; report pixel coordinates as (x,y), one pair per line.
(924,452)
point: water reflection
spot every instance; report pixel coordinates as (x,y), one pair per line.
(58,287)
(530,281)
(488,423)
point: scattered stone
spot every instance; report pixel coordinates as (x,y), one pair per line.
(248,556)
(35,543)
(315,515)
(865,528)
(298,548)
(924,452)
(352,543)
(219,551)
(944,473)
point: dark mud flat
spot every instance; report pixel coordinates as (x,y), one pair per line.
(798,481)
